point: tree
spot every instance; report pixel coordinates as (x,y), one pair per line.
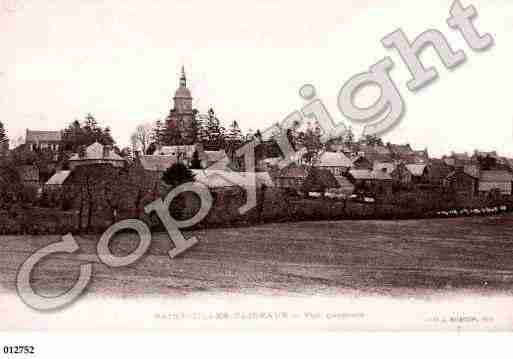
(94,186)
(372,140)
(487,163)
(177,174)
(142,137)
(201,129)
(10,186)
(126,152)
(78,135)
(234,133)
(216,133)
(4,141)
(158,132)
(171,134)
(319,180)
(195,163)
(349,137)
(311,140)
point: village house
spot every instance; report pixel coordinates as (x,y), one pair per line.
(402,178)
(419,173)
(292,176)
(335,162)
(462,184)
(495,180)
(40,140)
(377,182)
(53,188)
(438,171)
(96,154)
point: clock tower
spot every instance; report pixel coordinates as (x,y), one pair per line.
(181,117)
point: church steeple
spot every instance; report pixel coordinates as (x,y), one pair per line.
(183,79)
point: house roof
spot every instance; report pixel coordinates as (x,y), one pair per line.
(472,170)
(157,163)
(496,176)
(370,175)
(333,159)
(219,178)
(58,178)
(416,169)
(95,152)
(381,166)
(42,136)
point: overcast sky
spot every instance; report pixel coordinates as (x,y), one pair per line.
(120,60)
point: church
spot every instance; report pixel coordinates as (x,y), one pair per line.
(180,124)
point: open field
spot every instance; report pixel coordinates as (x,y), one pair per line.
(346,257)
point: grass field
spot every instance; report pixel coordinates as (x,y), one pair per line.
(368,257)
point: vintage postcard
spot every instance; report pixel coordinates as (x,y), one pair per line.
(260,165)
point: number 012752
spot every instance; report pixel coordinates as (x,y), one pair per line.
(18,349)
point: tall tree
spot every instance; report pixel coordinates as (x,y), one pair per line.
(171,134)
(3,134)
(158,132)
(4,141)
(216,133)
(78,135)
(202,129)
(372,140)
(142,137)
(234,133)
(177,174)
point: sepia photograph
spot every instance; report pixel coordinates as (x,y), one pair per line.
(256,165)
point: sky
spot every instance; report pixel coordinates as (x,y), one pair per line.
(120,60)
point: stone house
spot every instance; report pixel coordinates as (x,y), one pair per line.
(39,140)
(462,184)
(377,182)
(96,154)
(292,176)
(335,162)
(419,173)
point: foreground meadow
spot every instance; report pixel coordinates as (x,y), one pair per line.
(358,257)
